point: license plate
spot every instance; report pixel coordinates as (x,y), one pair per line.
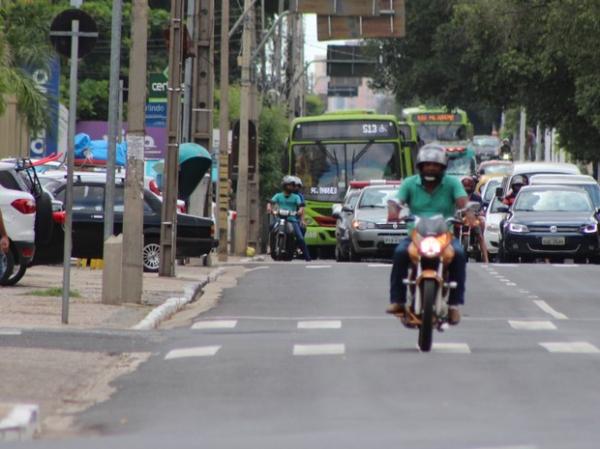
(391,240)
(553,241)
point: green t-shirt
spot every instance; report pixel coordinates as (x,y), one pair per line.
(292,202)
(442,201)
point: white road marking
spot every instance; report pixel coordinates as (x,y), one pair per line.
(565,265)
(523,446)
(320,324)
(454,348)
(200,351)
(316,267)
(505,265)
(379,265)
(511,284)
(533,296)
(549,310)
(10,332)
(323,349)
(215,324)
(523,291)
(575,347)
(532,325)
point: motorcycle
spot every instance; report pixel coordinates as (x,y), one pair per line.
(506,157)
(469,240)
(282,237)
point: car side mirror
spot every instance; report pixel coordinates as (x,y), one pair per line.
(503,209)
(499,192)
(348,209)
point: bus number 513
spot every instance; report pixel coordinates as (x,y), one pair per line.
(369,128)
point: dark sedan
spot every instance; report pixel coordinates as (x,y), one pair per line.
(486,147)
(195,235)
(554,222)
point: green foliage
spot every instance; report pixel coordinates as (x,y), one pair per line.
(273,131)
(539,54)
(314,105)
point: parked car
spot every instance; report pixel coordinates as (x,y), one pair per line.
(586,182)
(195,235)
(554,222)
(486,147)
(343,214)
(370,233)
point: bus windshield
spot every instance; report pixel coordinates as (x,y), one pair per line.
(445,132)
(326,169)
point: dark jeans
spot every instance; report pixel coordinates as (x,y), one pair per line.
(457,271)
(300,240)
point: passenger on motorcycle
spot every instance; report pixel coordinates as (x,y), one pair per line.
(427,194)
(516,183)
(288,200)
(469,186)
(298,191)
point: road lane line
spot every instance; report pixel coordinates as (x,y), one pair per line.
(454,348)
(316,267)
(10,332)
(565,265)
(511,284)
(532,325)
(523,291)
(320,349)
(214,324)
(549,310)
(575,347)
(200,351)
(320,324)
(379,265)
(509,265)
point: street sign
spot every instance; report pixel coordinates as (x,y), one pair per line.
(61,31)
(349,61)
(157,88)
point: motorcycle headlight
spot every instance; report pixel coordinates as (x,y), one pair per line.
(518,228)
(430,247)
(591,228)
(362,225)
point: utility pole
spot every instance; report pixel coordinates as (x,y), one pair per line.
(242,220)
(133,217)
(168,227)
(522,134)
(278,46)
(224,134)
(113,119)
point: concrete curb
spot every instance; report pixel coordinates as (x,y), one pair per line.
(173,305)
(21,423)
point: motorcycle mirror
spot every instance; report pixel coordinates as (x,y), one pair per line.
(348,209)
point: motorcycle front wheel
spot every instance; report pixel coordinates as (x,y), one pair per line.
(428,293)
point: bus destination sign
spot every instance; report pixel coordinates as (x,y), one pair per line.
(429,117)
(346,129)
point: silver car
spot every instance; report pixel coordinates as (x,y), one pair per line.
(370,234)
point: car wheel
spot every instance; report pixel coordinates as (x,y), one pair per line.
(17,272)
(353,256)
(151,256)
(8,262)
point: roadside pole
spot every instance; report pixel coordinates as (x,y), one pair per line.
(113,119)
(522,136)
(70,162)
(168,224)
(242,220)
(133,217)
(224,134)
(112,271)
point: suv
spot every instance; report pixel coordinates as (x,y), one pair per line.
(528,169)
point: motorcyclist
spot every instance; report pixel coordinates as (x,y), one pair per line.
(288,200)
(516,183)
(469,185)
(429,193)
(298,191)
(505,148)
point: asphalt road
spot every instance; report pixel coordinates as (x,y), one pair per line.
(300,356)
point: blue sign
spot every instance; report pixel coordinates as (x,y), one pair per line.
(47,80)
(156,115)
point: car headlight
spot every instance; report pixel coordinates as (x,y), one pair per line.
(516,227)
(591,228)
(492,228)
(362,225)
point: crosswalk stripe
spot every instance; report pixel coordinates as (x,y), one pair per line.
(549,310)
(575,347)
(379,265)
(199,351)
(214,324)
(454,348)
(321,324)
(10,332)
(319,349)
(532,325)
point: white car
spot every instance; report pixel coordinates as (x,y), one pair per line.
(492,226)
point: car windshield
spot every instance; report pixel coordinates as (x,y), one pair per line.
(450,132)
(375,198)
(327,169)
(352,200)
(553,201)
(486,141)
(461,166)
(490,190)
(495,169)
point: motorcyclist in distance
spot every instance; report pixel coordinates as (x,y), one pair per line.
(469,185)
(517,182)
(505,149)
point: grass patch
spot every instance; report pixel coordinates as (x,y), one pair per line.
(52,292)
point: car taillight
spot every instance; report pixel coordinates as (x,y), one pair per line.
(59,217)
(27,252)
(24,206)
(212,231)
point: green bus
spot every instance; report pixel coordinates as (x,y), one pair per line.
(331,150)
(449,128)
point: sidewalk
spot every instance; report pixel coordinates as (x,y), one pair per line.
(27,305)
